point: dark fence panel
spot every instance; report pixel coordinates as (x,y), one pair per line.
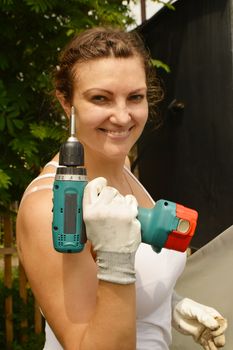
(189,160)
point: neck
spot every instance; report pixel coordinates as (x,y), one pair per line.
(99,166)
(110,169)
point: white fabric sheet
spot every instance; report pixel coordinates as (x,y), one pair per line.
(208,279)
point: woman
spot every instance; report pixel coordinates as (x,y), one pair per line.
(117,293)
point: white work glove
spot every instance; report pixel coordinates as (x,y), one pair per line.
(113,229)
(204,323)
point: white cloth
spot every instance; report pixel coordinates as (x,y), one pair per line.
(207,278)
(156,275)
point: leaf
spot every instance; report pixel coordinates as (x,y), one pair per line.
(19,124)
(40,5)
(24,146)
(70,32)
(10,126)
(160,64)
(43,131)
(167,4)
(39,131)
(5,180)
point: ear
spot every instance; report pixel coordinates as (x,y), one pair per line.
(65,105)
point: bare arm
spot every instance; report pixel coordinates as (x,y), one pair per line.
(83,313)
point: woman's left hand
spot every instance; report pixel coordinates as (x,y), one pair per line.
(205,324)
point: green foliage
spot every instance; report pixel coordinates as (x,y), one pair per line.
(21,311)
(4,180)
(160,64)
(168,4)
(32,34)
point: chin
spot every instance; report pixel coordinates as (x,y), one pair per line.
(109,152)
(116,154)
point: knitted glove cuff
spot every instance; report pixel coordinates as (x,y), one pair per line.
(116,267)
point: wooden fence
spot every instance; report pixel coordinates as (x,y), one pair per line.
(8,255)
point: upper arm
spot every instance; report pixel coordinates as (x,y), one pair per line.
(64,284)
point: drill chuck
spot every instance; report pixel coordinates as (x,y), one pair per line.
(71,154)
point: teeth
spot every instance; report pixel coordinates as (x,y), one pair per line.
(117,133)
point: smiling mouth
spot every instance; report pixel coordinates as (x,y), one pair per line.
(117,133)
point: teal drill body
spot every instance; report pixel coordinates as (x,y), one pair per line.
(68,228)
(157,223)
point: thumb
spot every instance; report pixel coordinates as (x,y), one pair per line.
(93,189)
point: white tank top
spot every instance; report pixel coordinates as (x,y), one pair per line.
(156,275)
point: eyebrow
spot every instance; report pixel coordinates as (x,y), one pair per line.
(144,88)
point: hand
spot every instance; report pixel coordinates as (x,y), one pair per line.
(204,323)
(113,229)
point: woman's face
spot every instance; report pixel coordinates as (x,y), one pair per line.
(111,105)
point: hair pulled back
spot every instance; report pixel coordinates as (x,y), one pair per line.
(99,43)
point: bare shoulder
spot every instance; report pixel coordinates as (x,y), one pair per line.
(33,225)
(55,277)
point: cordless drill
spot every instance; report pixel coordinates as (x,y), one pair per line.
(71,178)
(167,225)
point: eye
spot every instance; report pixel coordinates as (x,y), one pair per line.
(99,99)
(136,97)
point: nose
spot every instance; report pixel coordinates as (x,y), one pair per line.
(120,115)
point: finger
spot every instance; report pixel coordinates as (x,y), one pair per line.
(118,198)
(222,327)
(207,320)
(92,190)
(107,195)
(214,313)
(206,340)
(212,345)
(132,202)
(205,346)
(220,341)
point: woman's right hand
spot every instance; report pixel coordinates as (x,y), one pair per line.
(113,229)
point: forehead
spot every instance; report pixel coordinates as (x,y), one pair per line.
(110,70)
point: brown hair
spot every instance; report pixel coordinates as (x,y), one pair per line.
(98,43)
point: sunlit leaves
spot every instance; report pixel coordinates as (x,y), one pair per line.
(32,35)
(5,180)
